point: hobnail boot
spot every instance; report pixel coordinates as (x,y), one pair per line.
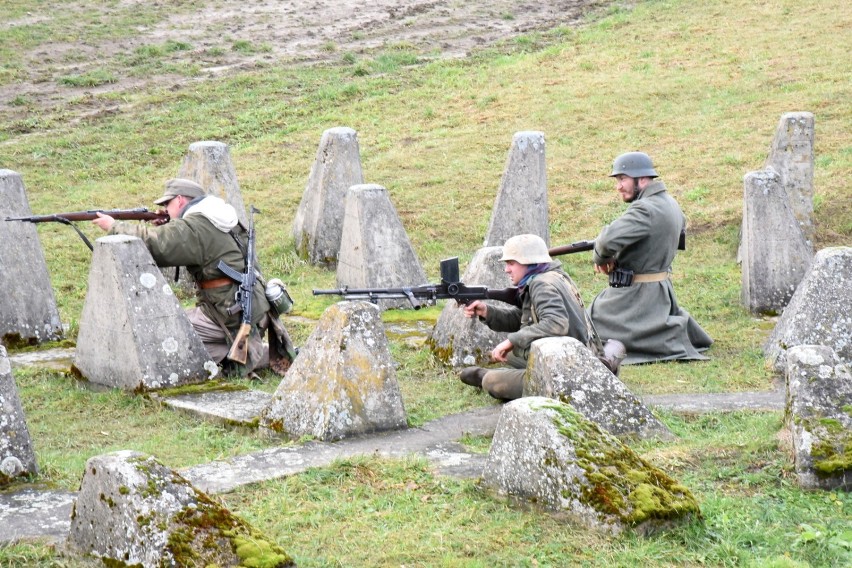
(472,376)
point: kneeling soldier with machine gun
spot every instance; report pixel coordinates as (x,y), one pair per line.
(543,302)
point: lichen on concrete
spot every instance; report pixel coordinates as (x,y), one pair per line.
(132,510)
(546,453)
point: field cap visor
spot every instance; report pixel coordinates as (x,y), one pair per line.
(178,186)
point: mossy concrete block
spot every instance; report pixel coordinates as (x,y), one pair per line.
(132,510)
(544,452)
(375,251)
(521,203)
(818,312)
(17,457)
(343,382)
(318,225)
(133,333)
(457,340)
(28,312)
(564,369)
(819,417)
(774,252)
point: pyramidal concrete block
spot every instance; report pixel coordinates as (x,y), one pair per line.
(17,457)
(132,510)
(774,252)
(318,224)
(343,382)
(209,164)
(564,369)
(792,156)
(28,312)
(457,340)
(818,312)
(521,203)
(545,453)
(375,251)
(133,333)
(819,398)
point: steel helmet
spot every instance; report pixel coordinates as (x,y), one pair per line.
(526,249)
(633,164)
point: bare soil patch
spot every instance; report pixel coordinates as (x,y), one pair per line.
(276,32)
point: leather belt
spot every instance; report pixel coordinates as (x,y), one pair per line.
(653,277)
(215,283)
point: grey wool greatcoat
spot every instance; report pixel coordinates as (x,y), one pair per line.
(646,316)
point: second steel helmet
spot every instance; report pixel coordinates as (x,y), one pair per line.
(633,164)
(526,249)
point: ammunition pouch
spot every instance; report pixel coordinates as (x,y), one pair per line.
(621,278)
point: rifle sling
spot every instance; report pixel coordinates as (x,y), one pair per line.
(79,232)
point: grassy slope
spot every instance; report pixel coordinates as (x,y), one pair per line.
(699,85)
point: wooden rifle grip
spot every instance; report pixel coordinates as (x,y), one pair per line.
(239,348)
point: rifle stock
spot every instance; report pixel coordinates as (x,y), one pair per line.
(239,348)
(450,288)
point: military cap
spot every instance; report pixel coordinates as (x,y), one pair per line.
(178,186)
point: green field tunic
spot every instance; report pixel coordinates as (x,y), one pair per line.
(646,316)
(197,244)
(551,307)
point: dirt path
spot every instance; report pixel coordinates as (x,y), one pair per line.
(272,32)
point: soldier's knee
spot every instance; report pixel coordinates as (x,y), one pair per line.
(503,385)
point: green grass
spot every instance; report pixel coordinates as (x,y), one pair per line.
(699,85)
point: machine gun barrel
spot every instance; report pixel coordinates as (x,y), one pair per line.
(450,288)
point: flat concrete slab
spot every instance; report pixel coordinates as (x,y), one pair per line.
(718,402)
(56,359)
(431,441)
(234,408)
(35,514)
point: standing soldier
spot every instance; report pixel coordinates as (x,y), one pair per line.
(639,307)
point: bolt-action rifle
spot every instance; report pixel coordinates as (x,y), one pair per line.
(450,288)
(239,348)
(579,246)
(138,214)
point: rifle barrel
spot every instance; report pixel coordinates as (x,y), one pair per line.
(579,246)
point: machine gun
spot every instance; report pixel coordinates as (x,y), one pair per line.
(239,348)
(138,214)
(450,287)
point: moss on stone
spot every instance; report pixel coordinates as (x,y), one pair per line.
(831,454)
(205,387)
(832,457)
(627,486)
(202,526)
(254,551)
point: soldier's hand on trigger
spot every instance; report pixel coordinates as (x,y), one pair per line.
(475,308)
(163,220)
